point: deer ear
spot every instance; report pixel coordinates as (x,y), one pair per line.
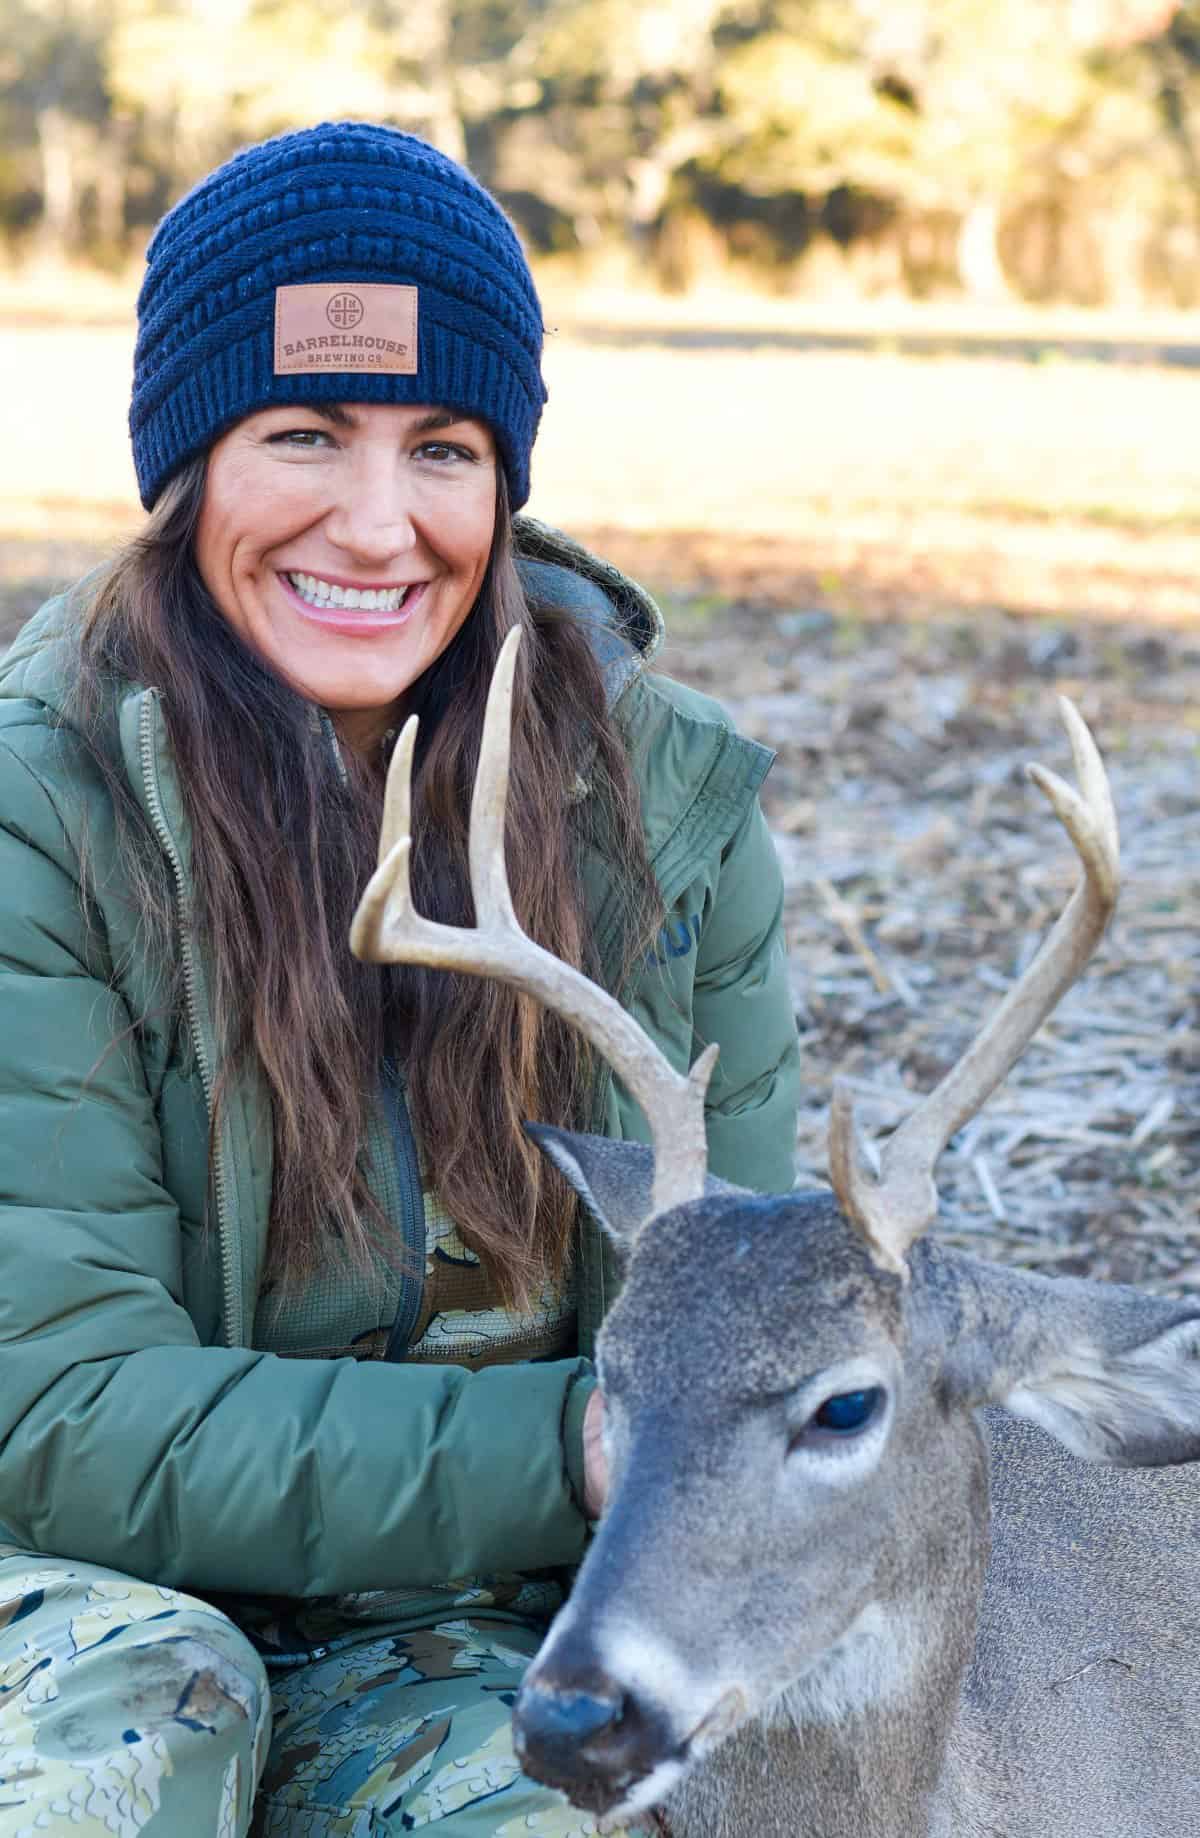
(613,1179)
(1138,1409)
(1111,1373)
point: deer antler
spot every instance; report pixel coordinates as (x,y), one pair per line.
(893,1208)
(386,929)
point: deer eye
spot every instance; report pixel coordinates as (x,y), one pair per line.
(848,1412)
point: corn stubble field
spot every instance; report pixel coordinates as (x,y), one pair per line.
(886,566)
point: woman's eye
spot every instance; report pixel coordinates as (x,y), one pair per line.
(298,437)
(443,451)
(847,1412)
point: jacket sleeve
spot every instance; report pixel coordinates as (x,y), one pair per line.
(125,1442)
(742,999)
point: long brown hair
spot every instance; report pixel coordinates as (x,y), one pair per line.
(283,834)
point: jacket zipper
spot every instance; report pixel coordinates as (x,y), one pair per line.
(162,829)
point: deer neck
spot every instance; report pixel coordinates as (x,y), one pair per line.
(861,1746)
(863,1777)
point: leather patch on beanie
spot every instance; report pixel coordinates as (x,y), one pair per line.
(347,326)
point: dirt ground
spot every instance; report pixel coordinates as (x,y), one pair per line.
(886,568)
(923,870)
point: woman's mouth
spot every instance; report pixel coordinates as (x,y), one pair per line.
(350,609)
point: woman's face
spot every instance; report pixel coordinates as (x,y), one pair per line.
(346,543)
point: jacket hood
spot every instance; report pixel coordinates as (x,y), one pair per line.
(623,623)
(557,571)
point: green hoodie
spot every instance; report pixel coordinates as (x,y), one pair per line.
(138,1428)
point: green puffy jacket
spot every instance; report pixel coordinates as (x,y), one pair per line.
(137,1426)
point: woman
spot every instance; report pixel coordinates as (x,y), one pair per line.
(292,1318)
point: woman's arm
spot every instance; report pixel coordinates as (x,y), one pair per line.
(126,1442)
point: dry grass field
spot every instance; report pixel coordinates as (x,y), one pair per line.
(1058,485)
(886,564)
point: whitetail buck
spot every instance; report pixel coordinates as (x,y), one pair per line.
(798,1618)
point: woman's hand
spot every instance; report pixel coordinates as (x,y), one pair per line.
(595,1462)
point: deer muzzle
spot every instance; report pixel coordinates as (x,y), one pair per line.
(593,1742)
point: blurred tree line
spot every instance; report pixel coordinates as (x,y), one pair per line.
(1047,149)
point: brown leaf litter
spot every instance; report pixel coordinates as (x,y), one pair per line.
(922,871)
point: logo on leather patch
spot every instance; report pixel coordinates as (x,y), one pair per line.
(333,325)
(345,311)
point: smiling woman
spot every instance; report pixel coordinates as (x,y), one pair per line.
(347,546)
(293,1316)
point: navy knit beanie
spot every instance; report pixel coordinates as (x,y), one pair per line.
(346,263)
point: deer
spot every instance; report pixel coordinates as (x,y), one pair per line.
(899,1543)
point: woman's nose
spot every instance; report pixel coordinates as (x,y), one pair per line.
(372,518)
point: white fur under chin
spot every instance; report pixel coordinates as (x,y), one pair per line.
(648,1793)
(871,1664)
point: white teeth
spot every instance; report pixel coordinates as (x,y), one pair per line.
(321,593)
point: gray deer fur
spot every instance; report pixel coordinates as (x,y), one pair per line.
(869,1657)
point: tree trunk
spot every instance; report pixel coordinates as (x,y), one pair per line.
(978,254)
(56,233)
(112,164)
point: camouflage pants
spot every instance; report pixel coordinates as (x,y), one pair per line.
(127,1708)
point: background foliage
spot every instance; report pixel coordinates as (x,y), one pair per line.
(1048,149)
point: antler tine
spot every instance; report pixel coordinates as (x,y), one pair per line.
(893,1208)
(856,1183)
(397,797)
(386,929)
(489,799)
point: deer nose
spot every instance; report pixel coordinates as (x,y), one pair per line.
(591,1744)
